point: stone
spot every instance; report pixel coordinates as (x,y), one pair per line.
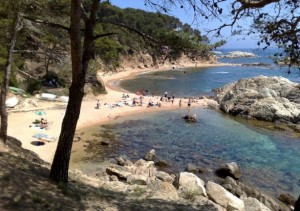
(190,118)
(229,169)
(113,178)
(205,204)
(120,160)
(163,176)
(150,155)
(287,199)
(232,186)
(191,168)
(120,171)
(189,183)
(137,179)
(252,204)
(161,163)
(221,196)
(162,191)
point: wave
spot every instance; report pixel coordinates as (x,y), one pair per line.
(222,72)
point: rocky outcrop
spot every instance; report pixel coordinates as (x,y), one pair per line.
(274,99)
(238,54)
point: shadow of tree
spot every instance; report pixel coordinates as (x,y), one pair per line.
(25,185)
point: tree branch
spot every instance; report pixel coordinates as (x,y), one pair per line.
(103,35)
(47,23)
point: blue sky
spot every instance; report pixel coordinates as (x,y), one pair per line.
(185,17)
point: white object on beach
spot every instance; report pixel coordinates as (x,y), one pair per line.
(63,99)
(48,96)
(11,102)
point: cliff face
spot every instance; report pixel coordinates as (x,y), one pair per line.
(145,60)
(274,99)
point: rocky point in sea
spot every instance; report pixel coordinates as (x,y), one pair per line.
(274,99)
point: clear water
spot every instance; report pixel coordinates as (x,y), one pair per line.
(269,159)
(200,81)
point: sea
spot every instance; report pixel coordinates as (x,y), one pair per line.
(269,159)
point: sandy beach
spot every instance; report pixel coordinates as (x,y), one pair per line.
(20,120)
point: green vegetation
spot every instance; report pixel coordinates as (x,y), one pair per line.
(43,49)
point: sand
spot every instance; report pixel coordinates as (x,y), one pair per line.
(20,120)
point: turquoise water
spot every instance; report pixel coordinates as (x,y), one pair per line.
(200,81)
(269,159)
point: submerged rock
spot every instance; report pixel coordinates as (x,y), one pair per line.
(190,118)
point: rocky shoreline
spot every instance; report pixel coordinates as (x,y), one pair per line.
(187,187)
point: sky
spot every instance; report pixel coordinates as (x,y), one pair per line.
(186,17)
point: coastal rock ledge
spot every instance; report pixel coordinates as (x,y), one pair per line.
(274,99)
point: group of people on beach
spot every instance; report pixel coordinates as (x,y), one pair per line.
(138,100)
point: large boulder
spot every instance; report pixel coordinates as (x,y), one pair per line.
(221,196)
(252,204)
(265,98)
(229,169)
(189,184)
(162,191)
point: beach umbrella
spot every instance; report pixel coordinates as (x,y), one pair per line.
(40,113)
(40,135)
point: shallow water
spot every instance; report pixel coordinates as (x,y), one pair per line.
(269,159)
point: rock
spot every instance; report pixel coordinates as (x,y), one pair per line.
(104,143)
(190,118)
(161,163)
(162,191)
(163,176)
(137,179)
(121,161)
(189,183)
(150,155)
(224,198)
(119,171)
(113,178)
(274,99)
(297,204)
(252,204)
(232,186)
(229,169)
(205,204)
(287,199)
(191,168)
(266,200)
(238,54)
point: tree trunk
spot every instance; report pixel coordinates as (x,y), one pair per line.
(5,83)
(80,60)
